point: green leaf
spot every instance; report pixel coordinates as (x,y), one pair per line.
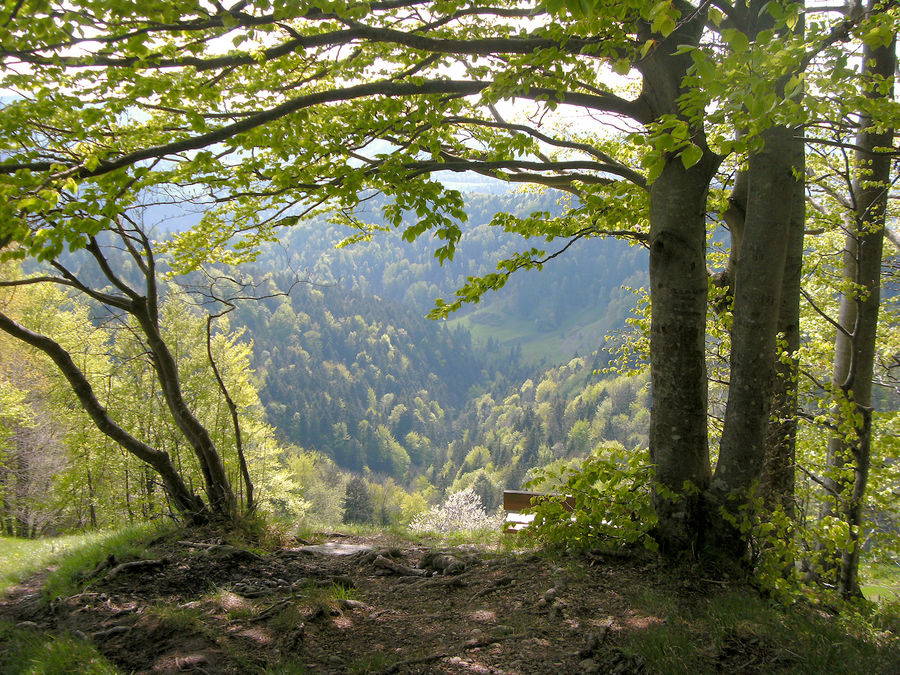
(737,40)
(28,204)
(691,155)
(664,25)
(622,67)
(660,9)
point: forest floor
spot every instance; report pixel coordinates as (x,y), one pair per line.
(353,604)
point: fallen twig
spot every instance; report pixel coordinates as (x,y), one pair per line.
(134,565)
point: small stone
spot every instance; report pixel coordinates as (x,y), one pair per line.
(589,666)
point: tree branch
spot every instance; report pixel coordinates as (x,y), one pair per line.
(379,88)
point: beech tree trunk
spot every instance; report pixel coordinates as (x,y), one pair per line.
(757,298)
(854,359)
(222,501)
(679,448)
(778,477)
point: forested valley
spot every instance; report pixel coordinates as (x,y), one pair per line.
(340,374)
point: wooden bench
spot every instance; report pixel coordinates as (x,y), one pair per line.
(515,501)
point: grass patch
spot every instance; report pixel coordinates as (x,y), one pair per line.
(338,593)
(21,557)
(181,619)
(740,630)
(129,543)
(882,582)
(287,620)
(575,334)
(371,663)
(29,651)
(491,538)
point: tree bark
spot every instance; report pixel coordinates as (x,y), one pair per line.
(679,447)
(757,298)
(854,359)
(187,503)
(218,488)
(779,462)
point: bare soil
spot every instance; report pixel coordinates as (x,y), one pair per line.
(367,605)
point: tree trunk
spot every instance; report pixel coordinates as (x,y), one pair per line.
(757,298)
(679,447)
(218,488)
(187,503)
(779,462)
(854,359)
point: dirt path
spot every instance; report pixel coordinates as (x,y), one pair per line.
(352,606)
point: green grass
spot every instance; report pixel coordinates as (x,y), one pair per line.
(129,543)
(571,336)
(22,557)
(29,651)
(68,557)
(677,637)
(491,538)
(882,582)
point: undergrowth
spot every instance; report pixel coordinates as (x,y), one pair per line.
(25,650)
(671,628)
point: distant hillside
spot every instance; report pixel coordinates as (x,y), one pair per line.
(549,316)
(367,382)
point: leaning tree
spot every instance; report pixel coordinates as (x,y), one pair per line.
(136,296)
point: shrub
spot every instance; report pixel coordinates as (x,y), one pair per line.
(461,510)
(611,491)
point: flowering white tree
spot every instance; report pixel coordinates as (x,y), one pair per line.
(461,510)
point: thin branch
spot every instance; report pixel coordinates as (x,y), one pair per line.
(99,296)
(94,249)
(623,171)
(819,481)
(235,420)
(825,316)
